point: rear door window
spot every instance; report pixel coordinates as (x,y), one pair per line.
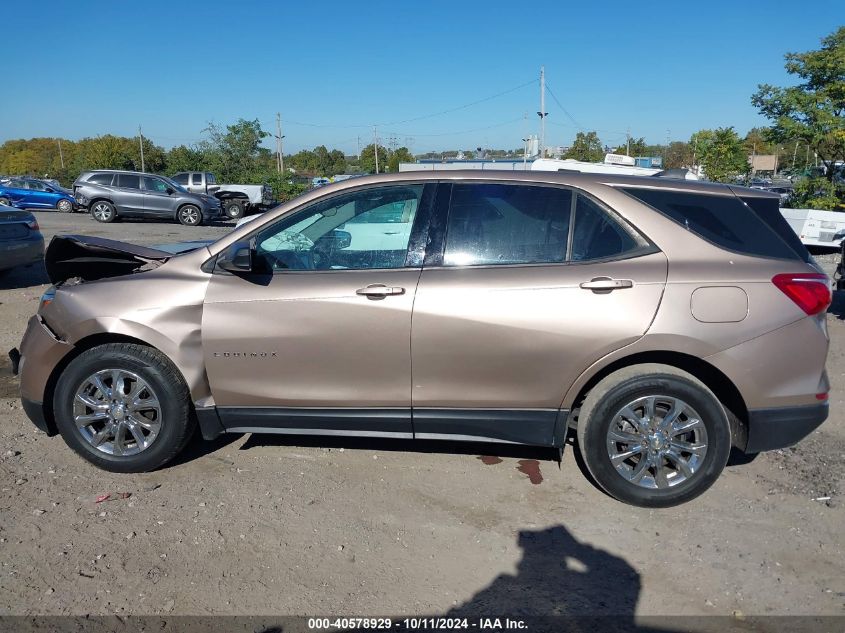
(723,220)
(491,223)
(128,181)
(182,179)
(196,179)
(596,235)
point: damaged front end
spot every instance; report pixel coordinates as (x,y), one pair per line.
(90,258)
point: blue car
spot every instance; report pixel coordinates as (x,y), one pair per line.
(30,193)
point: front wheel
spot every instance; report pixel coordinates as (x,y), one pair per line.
(123,407)
(64,206)
(189,215)
(6,202)
(653,436)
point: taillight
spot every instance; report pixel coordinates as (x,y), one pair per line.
(809,291)
(33,225)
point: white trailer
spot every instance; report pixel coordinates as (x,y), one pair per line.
(815,227)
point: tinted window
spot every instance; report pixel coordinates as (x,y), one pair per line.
(36,186)
(596,235)
(507,224)
(129,181)
(182,179)
(100,179)
(723,220)
(327,235)
(155,184)
(768,209)
(210,179)
(197,179)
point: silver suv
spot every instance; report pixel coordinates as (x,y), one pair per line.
(112,194)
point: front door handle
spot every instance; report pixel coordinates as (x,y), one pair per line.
(606,284)
(379,291)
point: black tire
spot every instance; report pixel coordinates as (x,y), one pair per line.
(234,209)
(189,215)
(64,206)
(103,211)
(177,421)
(6,202)
(612,394)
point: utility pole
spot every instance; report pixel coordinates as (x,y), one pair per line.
(61,156)
(280,158)
(359,147)
(628,142)
(141,144)
(525,142)
(375,146)
(794,154)
(542,113)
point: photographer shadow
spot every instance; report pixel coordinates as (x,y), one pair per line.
(561,584)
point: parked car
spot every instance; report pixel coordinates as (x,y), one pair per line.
(109,195)
(237,200)
(30,193)
(652,316)
(21,242)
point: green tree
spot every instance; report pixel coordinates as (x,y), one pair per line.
(814,110)
(721,154)
(368,160)
(235,152)
(586,147)
(677,155)
(401,155)
(638,147)
(183,158)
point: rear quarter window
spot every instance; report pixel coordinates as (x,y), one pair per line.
(100,179)
(723,220)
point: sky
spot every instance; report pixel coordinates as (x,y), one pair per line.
(434,75)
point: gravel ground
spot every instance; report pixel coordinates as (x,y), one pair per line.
(273,525)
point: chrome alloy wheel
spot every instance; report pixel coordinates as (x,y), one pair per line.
(117,412)
(656,442)
(190,215)
(101,211)
(65,206)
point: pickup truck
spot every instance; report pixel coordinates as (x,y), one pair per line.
(237,200)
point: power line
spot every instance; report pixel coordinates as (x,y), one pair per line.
(560,105)
(418,118)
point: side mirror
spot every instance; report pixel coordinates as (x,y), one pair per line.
(335,240)
(50,190)
(237,258)
(170,191)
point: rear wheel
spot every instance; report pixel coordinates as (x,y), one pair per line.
(64,206)
(103,211)
(653,435)
(189,215)
(123,407)
(234,209)
(6,202)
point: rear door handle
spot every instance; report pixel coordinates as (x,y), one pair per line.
(379,291)
(606,283)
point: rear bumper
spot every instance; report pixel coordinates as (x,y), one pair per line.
(769,429)
(21,253)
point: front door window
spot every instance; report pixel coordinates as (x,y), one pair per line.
(367,229)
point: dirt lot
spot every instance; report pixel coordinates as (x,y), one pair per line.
(271,525)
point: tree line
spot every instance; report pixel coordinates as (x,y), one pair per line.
(807,117)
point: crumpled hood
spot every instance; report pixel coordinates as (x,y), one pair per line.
(90,258)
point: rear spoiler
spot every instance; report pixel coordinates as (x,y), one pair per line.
(90,258)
